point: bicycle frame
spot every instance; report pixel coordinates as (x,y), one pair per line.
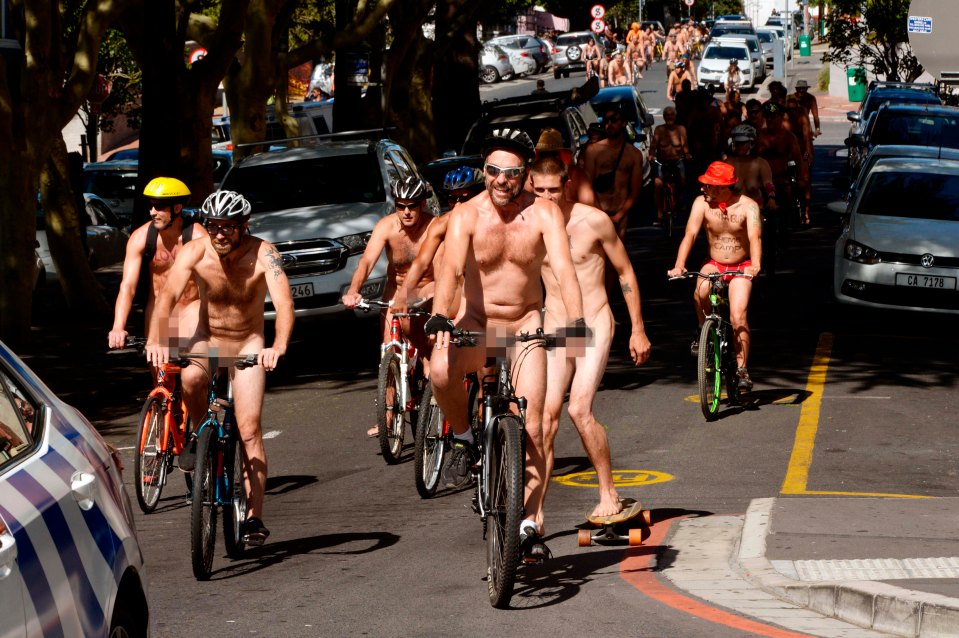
(407,354)
(220,416)
(168,390)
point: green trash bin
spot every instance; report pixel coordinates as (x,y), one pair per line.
(856,83)
(805,46)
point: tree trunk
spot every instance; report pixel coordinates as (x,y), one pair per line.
(80,289)
(17,248)
(456,97)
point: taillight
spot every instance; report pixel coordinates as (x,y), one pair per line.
(524,54)
(555,50)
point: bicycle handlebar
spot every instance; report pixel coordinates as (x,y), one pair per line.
(241,362)
(137,345)
(469,338)
(367,304)
(689,274)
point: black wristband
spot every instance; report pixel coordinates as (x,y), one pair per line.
(438,323)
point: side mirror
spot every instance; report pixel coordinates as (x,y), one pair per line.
(648,119)
(855,141)
(853,116)
(839,207)
(639,138)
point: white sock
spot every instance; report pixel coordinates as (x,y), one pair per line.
(524,528)
(465,436)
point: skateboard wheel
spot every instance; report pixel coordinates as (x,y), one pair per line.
(647,517)
(584,538)
(635,537)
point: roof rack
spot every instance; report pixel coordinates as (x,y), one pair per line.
(903,85)
(362,134)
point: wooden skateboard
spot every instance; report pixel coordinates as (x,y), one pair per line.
(606,529)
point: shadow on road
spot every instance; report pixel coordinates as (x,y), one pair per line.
(276,485)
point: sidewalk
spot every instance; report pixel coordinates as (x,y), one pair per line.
(831,108)
(890,566)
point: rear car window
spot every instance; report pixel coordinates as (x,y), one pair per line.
(910,194)
(916,129)
(18,415)
(885,97)
(110,184)
(337,179)
(567,40)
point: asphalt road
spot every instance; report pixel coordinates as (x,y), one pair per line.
(355,551)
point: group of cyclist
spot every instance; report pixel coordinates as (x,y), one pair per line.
(206,280)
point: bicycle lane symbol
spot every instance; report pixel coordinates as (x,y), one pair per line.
(621,478)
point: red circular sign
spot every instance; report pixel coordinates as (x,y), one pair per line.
(99,90)
(598,11)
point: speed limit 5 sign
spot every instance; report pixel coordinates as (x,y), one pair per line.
(597,26)
(598,11)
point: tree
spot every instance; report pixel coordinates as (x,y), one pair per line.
(41,87)
(872,34)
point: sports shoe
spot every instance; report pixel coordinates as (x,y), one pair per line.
(694,347)
(456,472)
(187,459)
(743,382)
(254,532)
(533,547)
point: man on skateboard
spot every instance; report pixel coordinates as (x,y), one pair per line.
(592,239)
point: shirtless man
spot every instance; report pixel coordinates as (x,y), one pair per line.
(674,83)
(809,103)
(634,56)
(496,244)
(150,252)
(799,124)
(401,235)
(578,187)
(592,239)
(778,146)
(233,271)
(734,231)
(615,168)
(618,72)
(671,52)
(670,147)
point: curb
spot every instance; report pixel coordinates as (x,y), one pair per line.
(868,604)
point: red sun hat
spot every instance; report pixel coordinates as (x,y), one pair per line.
(719,174)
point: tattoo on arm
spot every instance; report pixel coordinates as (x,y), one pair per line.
(276,262)
(627,289)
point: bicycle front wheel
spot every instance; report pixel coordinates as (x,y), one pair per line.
(203,507)
(149,462)
(429,445)
(710,369)
(390,412)
(506,461)
(234,514)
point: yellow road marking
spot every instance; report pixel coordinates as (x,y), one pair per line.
(621,478)
(797,473)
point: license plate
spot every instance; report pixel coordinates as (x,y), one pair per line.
(302,290)
(912,280)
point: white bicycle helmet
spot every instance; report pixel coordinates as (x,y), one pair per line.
(225,205)
(410,188)
(510,139)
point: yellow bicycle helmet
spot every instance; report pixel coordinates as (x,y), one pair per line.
(166,188)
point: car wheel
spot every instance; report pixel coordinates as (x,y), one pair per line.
(573,53)
(489,75)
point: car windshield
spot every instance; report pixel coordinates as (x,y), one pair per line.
(726,53)
(532,125)
(628,108)
(910,97)
(110,184)
(339,179)
(916,129)
(911,194)
(764,36)
(566,40)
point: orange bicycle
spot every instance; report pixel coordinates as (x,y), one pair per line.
(162,434)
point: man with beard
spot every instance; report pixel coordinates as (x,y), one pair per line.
(615,168)
(233,271)
(496,244)
(734,232)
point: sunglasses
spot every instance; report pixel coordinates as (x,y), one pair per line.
(407,206)
(217,229)
(754,112)
(613,120)
(159,204)
(512,172)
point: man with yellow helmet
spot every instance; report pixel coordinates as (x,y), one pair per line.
(151,250)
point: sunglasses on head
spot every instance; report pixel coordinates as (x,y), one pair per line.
(511,172)
(217,229)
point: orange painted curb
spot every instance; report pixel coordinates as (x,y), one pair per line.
(637,569)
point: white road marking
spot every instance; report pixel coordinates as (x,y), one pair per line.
(272,434)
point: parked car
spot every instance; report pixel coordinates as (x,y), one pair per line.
(899,247)
(70,563)
(633,108)
(912,124)
(892,92)
(715,61)
(106,237)
(436,170)
(730,28)
(494,64)
(755,51)
(789,26)
(767,38)
(569,52)
(780,32)
(116,182)
(524,46)
(533,113)
(318,205)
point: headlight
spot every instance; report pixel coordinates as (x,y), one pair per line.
(854,251)
(355,243)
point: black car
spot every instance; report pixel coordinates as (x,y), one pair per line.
(435,173)
(905,124)
(893,93)
(633,108)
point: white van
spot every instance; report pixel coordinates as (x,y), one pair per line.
(716,57)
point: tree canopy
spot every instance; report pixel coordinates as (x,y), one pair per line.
(872,34)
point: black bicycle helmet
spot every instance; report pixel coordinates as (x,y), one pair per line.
(743,133)
(410,188)
(513,140)
(228,205)
(463,177)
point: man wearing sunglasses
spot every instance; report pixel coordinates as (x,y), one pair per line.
(233,271)
(615,168)
(592,240)
(496,244)
(150,252)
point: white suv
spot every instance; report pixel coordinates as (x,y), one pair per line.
(716,57)
(318,205)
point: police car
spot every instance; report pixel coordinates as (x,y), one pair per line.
(70,564)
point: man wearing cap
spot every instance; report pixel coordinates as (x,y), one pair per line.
(592,240)
(809,103)
(578,188)
(615,168)
(778,146)
(496,244)
(734,232)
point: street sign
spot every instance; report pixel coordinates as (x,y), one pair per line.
(690,3)
(597,26)
(598,11)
